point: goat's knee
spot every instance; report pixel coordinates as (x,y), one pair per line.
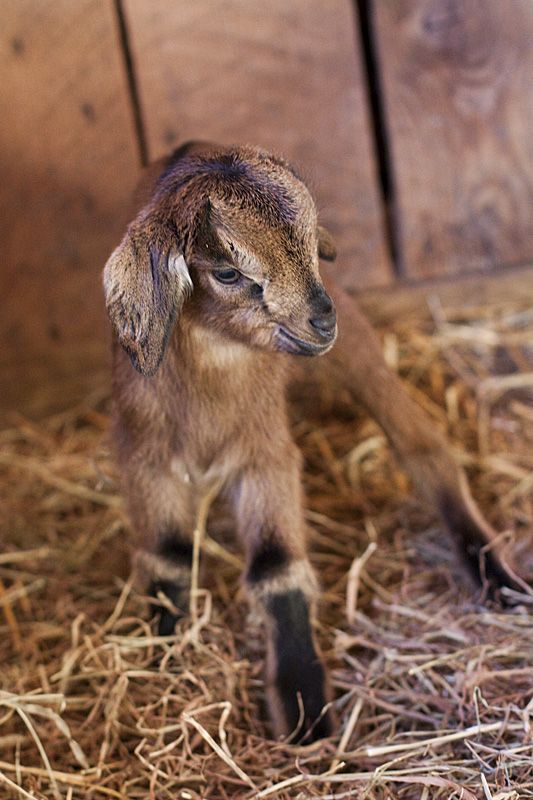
(297,686)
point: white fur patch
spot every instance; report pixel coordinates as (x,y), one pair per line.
(179,469)
(108,274)
(296,575)
(217,351)
(178,266)
(250,265)
(151,566)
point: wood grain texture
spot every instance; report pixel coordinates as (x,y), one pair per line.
(457,77)
(285,76)
(510,285)
(68,162)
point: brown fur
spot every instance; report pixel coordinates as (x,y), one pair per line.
(205,404)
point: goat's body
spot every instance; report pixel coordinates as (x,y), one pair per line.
(208,414)
(213,414)
(215,417)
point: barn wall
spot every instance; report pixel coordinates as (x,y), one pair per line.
(68,160)
(414,136)
(286,76)
(456,79)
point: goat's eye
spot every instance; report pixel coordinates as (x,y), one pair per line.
(227,276)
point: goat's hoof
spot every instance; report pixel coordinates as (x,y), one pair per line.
(497,579)
(299,705)
(475,542)
(166,622)
(322,728)
(167,619)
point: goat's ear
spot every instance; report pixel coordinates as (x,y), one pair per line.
(207,223)
(146,281)
(326,245)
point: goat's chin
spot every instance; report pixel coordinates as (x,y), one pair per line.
(287,342)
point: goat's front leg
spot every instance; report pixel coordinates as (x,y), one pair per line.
(282,585)
(161,509)
(357,364)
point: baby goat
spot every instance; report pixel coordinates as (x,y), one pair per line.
(212,290)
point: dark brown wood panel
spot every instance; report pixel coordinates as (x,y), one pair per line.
(68,161)
(284,75)
(457,78)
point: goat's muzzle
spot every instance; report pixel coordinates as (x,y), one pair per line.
(289,342)
(317,335)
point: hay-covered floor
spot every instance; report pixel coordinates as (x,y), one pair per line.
(433,687)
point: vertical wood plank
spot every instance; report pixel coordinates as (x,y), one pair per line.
(68,162)
(457,77)
(286,76)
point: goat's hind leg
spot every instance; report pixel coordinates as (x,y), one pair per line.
(282,585)
(356,363)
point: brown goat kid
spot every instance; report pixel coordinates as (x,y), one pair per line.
(212,290)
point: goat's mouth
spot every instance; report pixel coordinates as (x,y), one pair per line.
(288,342)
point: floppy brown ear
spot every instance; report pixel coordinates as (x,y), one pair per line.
(146,281)
(326,245)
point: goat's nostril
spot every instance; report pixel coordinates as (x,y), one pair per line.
(325,323)
(321,304)
(327,307)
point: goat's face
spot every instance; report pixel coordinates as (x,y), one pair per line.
(256,274)
(237,230)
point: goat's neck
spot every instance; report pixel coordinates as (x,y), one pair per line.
(206,353)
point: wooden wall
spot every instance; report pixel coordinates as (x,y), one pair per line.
(409,117)
(284,75)
(68,160)
(457,78)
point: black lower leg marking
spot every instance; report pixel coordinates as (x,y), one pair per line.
(471,539)
(175,552)
(268,559)
(299,674)
(175,547)
(177,594)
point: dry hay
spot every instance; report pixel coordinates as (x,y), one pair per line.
(433,686)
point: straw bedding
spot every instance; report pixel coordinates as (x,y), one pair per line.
(433,685)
